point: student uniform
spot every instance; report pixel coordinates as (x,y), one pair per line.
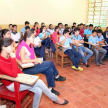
(61,30)
(47,42)
(94,40)
(50,31)
(82,49)
(15,36)
(71,52)
(40,51)
(23,30)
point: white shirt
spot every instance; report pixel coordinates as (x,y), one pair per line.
(50,31)
(37,40)
(15,36)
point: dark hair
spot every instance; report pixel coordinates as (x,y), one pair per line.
(74,23)
(26,22)
(106,27)
(94,31)
(73,27)
(56,27)
(81,24)
(86,26)
(66,24)
(42,23)
(59,24)
(90,25)
(3,32)
(41,29)
(99,31)
(5,42)
(27,27)
(99,26)
(14,25)
(68,30)
(10,25)
(35,24)
(49,26)
(65,31)
(76,29)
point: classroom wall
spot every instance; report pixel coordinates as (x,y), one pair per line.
(48,11)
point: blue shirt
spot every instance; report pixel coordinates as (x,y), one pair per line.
(87,31)
(23,30)
(100,38)
(92,39)
(41,35)
(77,38)
(66,43)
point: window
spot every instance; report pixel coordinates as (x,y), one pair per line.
(97,12)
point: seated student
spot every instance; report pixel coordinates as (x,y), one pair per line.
(14,34)
(42,24)
(51,29)
(99,27)
(27,28)
(23,29)
(70,33)
(10,27)
(74,24)
(45,38)
(78,26)
(38,48)
(94,40)
(5,33)
(36,24)
(66,25)
(82,49)
(72,53)
(105,34)
(72,29)
(84,26)
(61,29)
(25,53)
(95,28)
(81,30)
(54,35)
(8,59)
(87,27)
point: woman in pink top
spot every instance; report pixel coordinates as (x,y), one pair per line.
(36,28)
(54,35)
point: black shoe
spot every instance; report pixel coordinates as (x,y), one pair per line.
(55,92)
(97,64)
(60,78)
(87,65)
(102,63)
(65,102)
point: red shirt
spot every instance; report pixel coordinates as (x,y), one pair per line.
(54,35)
(37,31)
(8,67)
(81,32)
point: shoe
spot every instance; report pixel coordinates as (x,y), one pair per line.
(55,92)
(65,102)
(97,64)
(73,67)
(60,78)
(102,63)
(87,65)
(80,69)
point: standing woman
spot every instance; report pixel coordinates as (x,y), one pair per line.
(8,59)
(25,53)
(55,33)
(45,38)
(36,24)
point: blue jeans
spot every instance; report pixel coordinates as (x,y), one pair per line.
(47,42)
(74,56)
(47,68)
(83,49)
(40,51)
(103,51)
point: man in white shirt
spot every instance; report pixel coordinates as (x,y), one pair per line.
(51,29)
(61,29)
(14,34)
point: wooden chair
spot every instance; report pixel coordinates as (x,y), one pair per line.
(61,58)
(16,96)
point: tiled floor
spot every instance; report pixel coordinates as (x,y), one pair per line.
(87,89)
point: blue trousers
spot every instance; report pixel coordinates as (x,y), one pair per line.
(47,42)
(40,51)
(47,68)
(74,55)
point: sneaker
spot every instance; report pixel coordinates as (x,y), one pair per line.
(80,69)
(87,65)
(55,92)
(102,63)
(60,78)
(73,67)
(97,64)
